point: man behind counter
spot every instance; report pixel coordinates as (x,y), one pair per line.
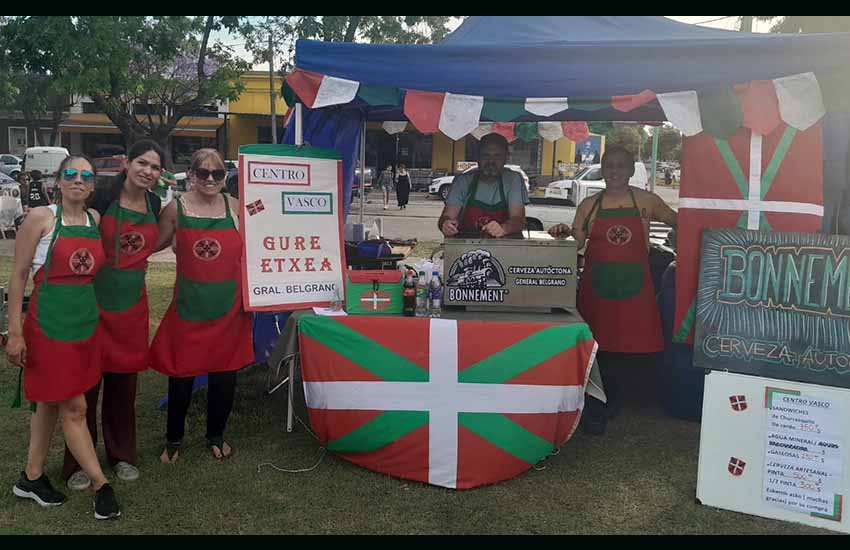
(489,199)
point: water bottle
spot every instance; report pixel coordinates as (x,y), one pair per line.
(421,296)
(436,295)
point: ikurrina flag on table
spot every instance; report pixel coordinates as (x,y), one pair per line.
(451,403)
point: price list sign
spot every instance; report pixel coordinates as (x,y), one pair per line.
(803,453)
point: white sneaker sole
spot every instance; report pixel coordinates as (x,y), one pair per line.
(27,494)
(113,516)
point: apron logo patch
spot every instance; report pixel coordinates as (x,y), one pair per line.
(206,249)
(619,235)
(131,243)
(81,261)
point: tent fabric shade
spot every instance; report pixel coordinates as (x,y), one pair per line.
(609,68)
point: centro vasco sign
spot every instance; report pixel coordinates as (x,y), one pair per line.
(278,173)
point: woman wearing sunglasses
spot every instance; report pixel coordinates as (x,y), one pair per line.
(56,347)
(129,213)
(206,329)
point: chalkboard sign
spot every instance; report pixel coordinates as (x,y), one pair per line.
(775,305)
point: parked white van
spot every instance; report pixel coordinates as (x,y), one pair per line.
(46,160)
(588,182)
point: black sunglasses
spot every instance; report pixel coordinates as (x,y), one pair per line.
(203,174)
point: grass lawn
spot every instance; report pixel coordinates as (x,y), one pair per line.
(639,478)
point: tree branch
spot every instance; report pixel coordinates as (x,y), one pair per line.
(351,31)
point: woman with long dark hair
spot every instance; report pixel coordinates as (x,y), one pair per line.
(402,187)
(129,214)
(57,347)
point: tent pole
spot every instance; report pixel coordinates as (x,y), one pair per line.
(362,169)
(655,132)
(555,154)
(299,125)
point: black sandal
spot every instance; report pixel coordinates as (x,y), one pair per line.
(171,449)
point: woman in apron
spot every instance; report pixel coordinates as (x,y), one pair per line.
(616,295)
(205,330)
(129,231)
(56,346)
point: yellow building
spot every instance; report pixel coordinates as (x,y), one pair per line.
(538,157)
(249,117)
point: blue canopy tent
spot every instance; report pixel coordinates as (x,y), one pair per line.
(588,59)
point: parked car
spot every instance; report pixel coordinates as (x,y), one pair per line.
(588,182)
(11,165)
(441,186)
(369,174)
(107,167)
(232,180)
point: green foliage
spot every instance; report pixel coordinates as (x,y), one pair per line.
(807,23)
(164,62)
(389,29)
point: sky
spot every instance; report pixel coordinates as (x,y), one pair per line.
(730,22)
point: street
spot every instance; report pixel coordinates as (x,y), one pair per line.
(419,220)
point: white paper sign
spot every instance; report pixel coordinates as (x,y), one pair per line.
(803,453)
(291,200)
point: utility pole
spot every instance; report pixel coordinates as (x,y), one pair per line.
(271,87)
(746,23)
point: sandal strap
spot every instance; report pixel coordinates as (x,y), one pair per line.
(172,447)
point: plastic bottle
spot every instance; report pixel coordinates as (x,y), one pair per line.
(435,295)
(421,296)
(409,295)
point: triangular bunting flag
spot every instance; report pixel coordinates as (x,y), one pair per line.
(482,130)
(760,106)
(627,103)
(550,131)
(393,127)
(682,110)
(720,112)
(306,85)
(423,109)
(576,131)
(335,91)
(526,131)
(800,100)
(546,106)
(505,129)
(502,110)
(380,95)
(460,115)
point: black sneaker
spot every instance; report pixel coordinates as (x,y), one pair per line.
(105,504)
(39,490)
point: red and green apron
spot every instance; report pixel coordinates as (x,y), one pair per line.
(477,214)
(63,355)
(129,238)
(616,296)
(205,328)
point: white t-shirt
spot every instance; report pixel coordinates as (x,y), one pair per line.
(41,249)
